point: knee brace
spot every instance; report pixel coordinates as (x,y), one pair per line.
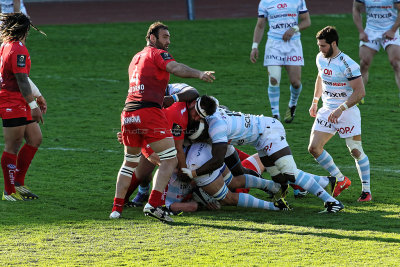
(275,73)
(132,158)
(221,194)
(353,144)
(167,154)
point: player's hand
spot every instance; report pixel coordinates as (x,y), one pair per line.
(313,110)
(207,76)
(37,115)
(334,116)
(254,55)
(168,101)
(363,37)
(119,137)
(42,104)
(288,34)
(191,174)
(389,35)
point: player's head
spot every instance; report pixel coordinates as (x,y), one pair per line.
(197,132)
(327,40)
(158,35)
(14,26)
(202,107)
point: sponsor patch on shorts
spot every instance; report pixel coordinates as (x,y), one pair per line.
(21,61)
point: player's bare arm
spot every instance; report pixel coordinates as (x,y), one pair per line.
(187,94)
(183,71)
(317,95)
(305,22)
(17,6)
(391,33)
(358,93)
(180,155)
(257,37)
(358,9)
(25,89)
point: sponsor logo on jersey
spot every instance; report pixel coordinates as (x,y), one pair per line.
(21,61)
(166,56)
(380,16)
(282,16)
(345,130)
(131,120)
(283,25)
(334,84)
(328,72)
(176,130)
(8,109)
(334,94)
(280,6)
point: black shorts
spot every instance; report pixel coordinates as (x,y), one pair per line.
(16,122)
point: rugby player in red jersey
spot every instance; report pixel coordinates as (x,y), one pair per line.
(143,122)
(19,110)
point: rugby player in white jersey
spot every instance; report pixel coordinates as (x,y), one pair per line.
(268,137)
(382,30)
(341,87)
(283,48)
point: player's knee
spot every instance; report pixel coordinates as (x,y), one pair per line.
(355,148)
(314,150)
(231,199)
(273,81)
(274,73)
(395,62)
(296,84)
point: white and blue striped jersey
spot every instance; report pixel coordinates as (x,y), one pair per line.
(177,190)
(381,14)
(281,16)
(174,88)
(335,74)
(234,127)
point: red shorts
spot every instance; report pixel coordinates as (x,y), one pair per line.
(15,111)
(144,126)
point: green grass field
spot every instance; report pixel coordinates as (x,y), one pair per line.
(82,72)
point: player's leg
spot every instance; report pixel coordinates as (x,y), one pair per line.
(124,179)
(144,175)
(366,55)
(274,79)
(13,132)
(393,52)
(294,73)
(362,163)
(166,151)
(33,138)
(220,191)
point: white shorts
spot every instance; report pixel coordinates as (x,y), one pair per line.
(273,138)
(200,153)
(281,53)
(376,41)
(349,123)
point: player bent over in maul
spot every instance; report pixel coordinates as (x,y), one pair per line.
(267,135)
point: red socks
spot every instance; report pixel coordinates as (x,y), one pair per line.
(132,187)
(25,156)
(118,204)
(155,199)
(8,162)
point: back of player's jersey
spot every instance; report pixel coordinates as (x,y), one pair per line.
(335,74)
(281,16)
(233,127)
(381,15)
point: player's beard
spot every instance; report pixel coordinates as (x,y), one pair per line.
(330,52)
(159,45)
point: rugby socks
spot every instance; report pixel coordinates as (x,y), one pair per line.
(273,95)
(144,190)
(8,164)
(248,201)
(118,205)
(306,181)
(294,95)
(24,159)
(363,168)
(326,161)
(155,198)
(256,182)
(132,187)
(323,181)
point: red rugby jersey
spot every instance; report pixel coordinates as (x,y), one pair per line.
(148,78)
(14,58)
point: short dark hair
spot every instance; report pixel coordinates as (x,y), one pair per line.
(208,104)
(14,26)
(329,34)
(155,28)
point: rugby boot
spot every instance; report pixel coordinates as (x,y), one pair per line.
(365,196)
(332,207)
(24,191)
(281,204)
(138,200)
(115,215)
(331,185)
(340,186)
(277,117)
(12,197)
(290,113)
(298,193)
(160,213)
(281,193)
